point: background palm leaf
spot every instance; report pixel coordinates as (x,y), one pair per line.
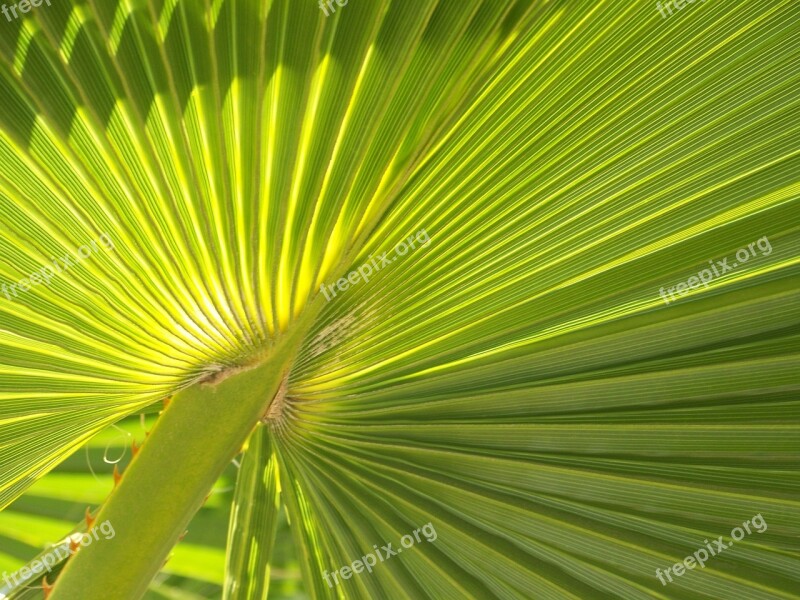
(518,381)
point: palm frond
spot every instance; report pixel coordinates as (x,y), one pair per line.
(527,377)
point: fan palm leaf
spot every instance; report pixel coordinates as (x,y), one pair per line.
(523,273)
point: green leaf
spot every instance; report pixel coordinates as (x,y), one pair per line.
(540,376)
(254,520)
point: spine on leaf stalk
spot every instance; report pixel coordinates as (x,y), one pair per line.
(193,441)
